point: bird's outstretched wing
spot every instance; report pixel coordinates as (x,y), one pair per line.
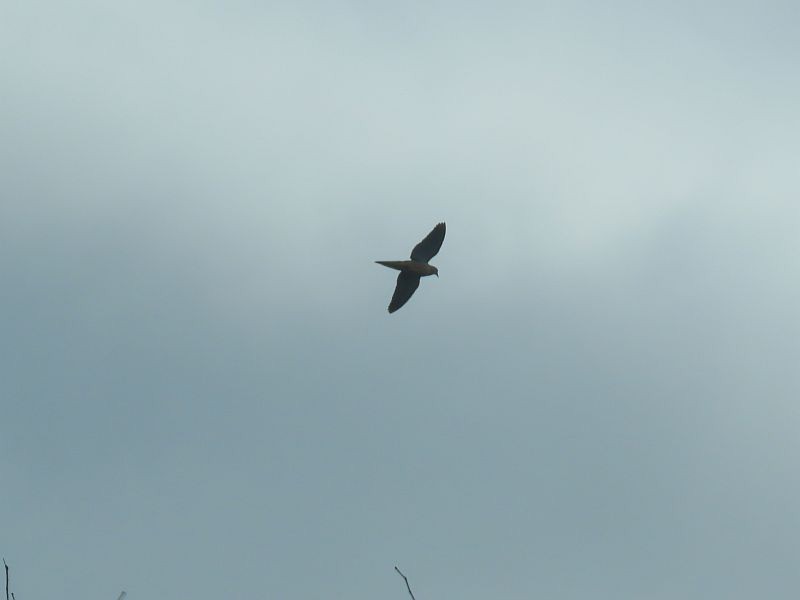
(407,284)
(428,248)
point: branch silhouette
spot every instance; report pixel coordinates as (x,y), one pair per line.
(406,580)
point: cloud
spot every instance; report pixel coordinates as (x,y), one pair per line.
(598,394)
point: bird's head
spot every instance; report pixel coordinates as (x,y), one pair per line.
(435,271)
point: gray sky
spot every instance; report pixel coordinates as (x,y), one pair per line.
(203,395)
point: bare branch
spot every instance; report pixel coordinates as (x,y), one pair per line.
(6,566)
(122,595)
(406,579)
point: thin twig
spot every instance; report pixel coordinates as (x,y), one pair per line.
(122,595)
(408,586)
(6,566)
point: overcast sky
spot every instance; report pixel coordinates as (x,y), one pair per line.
(203,396)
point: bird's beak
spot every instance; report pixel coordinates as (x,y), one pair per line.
(437,275)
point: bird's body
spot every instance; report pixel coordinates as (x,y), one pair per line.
(412,266)
(412,270)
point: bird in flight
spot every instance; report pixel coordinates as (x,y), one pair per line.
(412,270)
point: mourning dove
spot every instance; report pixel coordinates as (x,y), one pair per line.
(412,270)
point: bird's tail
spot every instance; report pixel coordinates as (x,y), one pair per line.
(392,264)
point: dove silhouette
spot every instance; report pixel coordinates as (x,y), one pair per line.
(411,271)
